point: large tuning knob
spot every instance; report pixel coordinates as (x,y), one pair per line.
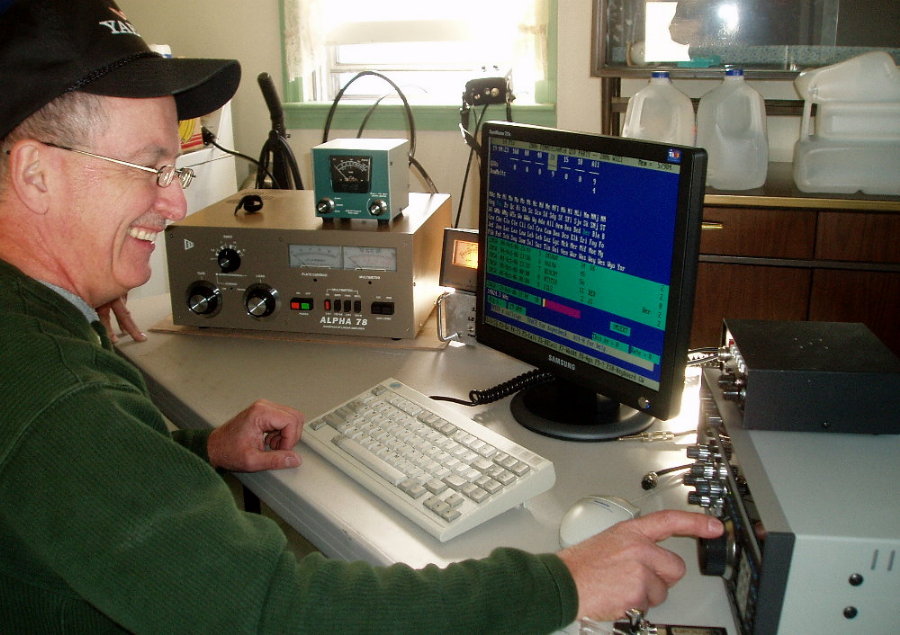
(203,298)
(260,300)
(718,556)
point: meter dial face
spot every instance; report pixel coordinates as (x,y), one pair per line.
(351,174)
(373,258)
(315,256)
(465,254)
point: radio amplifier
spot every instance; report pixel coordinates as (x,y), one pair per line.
(284,269)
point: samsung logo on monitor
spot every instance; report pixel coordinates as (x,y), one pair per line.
(561,362)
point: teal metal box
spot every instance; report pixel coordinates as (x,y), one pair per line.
(361,178)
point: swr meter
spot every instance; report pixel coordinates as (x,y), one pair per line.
(361,178)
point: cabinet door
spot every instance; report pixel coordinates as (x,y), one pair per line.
(746,292)
(870,297)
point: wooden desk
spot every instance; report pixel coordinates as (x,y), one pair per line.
(201,381)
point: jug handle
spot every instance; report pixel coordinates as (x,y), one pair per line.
(804,123)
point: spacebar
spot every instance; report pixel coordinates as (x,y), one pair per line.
(362,454)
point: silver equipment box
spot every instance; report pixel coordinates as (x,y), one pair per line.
(812,541)
(284,269)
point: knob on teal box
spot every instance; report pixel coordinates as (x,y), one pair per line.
(361,178)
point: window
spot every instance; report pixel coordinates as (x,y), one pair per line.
(429,48)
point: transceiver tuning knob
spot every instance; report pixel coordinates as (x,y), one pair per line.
(717,556)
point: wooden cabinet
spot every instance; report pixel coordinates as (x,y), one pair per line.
(799,258)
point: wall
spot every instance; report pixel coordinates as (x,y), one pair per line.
(249,32)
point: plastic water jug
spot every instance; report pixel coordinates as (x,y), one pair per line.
(731,125)
(660,112)
(856,142)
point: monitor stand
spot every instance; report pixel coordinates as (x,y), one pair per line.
(564,410)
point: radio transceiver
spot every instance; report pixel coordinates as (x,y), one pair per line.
(284,269)
(812,540)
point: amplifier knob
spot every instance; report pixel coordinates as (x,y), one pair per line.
(717,556)
(260,300)
(229,260)
(203,298)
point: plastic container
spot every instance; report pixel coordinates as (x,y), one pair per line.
(731,125)
(660,112)
(855,145)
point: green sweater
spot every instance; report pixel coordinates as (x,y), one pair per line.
(109,523)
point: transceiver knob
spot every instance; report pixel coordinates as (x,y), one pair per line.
(718,556)
(714,489)
(260,300)
(229,259)
(708,471)
(700,452)
(203,298)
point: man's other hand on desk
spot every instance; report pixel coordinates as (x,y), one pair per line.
(260,437)
(623,567)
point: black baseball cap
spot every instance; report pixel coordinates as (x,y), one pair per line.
(50,47)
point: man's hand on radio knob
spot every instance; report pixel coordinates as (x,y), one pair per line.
(260,437)
(623,567)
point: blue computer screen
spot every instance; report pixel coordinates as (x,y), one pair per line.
(579,251)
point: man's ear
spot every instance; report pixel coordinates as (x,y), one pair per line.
(29,162)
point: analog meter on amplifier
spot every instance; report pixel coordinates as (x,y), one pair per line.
(361,178)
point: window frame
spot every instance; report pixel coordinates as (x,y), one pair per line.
(303,115)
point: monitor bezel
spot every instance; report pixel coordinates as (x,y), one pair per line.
(665,402)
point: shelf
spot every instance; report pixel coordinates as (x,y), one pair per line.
(780,191)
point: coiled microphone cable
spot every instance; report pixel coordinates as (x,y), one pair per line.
(519,382)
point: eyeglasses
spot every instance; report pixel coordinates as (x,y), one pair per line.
(164,175)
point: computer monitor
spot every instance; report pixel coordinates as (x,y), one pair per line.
(587,266)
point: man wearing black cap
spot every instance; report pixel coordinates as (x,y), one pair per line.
(111,524)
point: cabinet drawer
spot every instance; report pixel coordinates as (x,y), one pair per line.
(866,237)
(765,233)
